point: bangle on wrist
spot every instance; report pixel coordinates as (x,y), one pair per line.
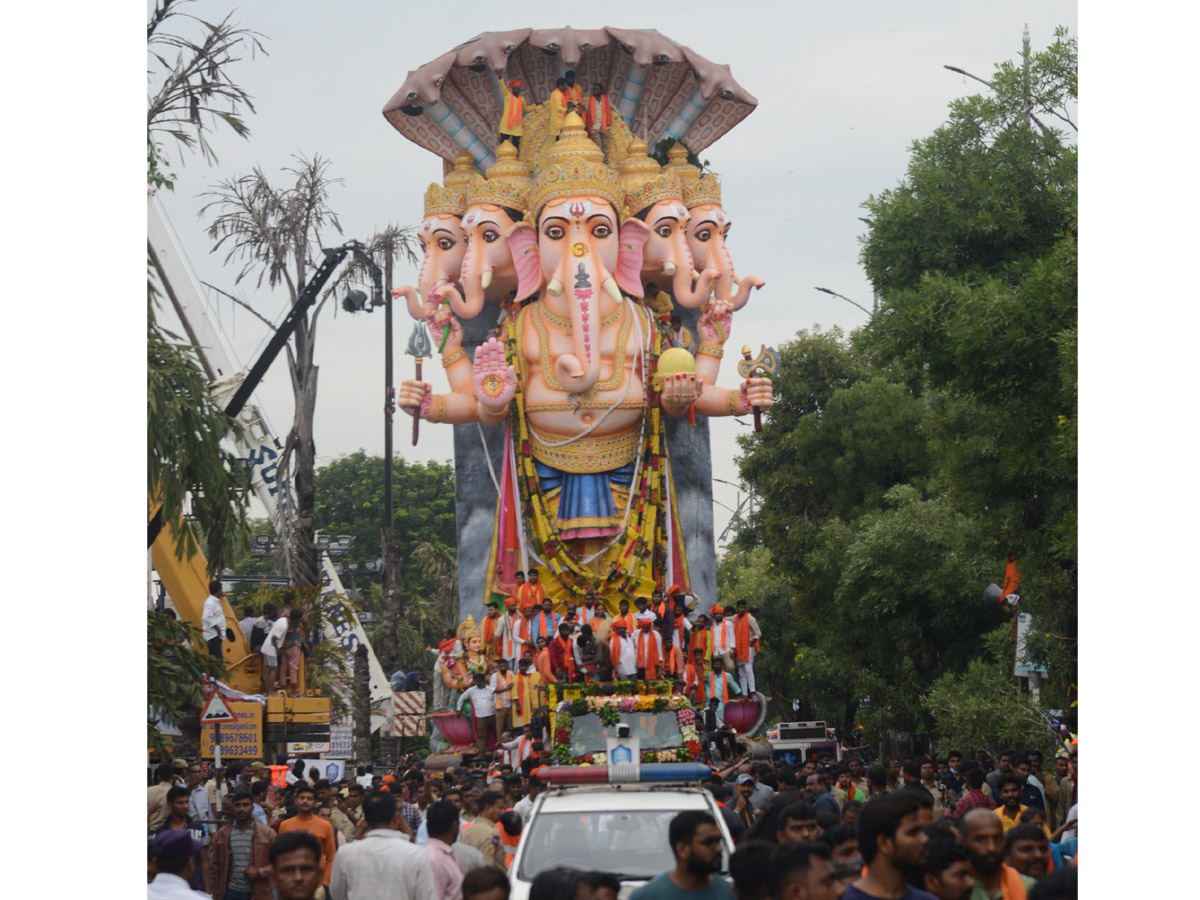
(497,413)
(454,356)
(718,352)
(734,399)
(438,412)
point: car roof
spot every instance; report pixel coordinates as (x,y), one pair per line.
(621,797)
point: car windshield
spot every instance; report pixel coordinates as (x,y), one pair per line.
(630,843)
(656,730)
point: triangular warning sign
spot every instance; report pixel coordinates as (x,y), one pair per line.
(216,710)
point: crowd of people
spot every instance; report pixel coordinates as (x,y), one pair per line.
(502,666)
(915,828)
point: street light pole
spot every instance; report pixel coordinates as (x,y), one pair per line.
(391,561)
(843,297)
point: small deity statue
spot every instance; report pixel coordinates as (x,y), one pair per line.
(476,660)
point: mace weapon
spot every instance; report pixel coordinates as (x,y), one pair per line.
(419,346)
(766,364)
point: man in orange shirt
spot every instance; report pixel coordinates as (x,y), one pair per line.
(529,593)
(305,820)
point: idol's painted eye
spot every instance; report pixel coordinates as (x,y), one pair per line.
(490,236)
(601,231)
(703,234)
(664,231)
(445,243)
(554,232)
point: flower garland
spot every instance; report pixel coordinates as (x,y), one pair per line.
(645,534)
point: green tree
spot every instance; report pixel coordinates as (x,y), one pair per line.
(175,667)
(349,500)
(900,469)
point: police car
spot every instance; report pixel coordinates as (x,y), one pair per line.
(610,819)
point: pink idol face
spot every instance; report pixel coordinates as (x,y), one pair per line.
(484,227)
(574,231)
(706,232)
(442,238)
(668,220)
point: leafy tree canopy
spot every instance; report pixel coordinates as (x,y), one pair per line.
(900,467)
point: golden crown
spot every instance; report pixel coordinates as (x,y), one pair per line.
(637,167)
(507,183)
(702,191)
(657,189)
(440,201)
(462,173)
(677,163)
(574,168)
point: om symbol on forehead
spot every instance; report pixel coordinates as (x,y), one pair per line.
(579,248)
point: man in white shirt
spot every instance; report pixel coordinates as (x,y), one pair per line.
(502,678)
(724,640)
(626,662)
(272,649)
(212,619)
(524,806)
(519,747)
(483,702)
(384,863)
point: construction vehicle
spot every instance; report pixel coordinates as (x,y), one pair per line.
(186,579)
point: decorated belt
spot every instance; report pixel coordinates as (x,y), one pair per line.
(589,454)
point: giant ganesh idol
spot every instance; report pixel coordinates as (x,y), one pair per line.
(578,371)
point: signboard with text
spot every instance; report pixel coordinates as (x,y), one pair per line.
(239,740)
(341,742)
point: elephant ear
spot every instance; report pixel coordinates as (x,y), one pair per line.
(633,237)
(522,242)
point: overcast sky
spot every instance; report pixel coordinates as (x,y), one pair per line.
(843,89)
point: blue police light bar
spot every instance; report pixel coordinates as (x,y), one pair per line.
(634,773)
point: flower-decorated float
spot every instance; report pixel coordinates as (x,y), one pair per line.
(578,289)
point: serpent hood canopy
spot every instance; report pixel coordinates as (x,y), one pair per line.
(661,88)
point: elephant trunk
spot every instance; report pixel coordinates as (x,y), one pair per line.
(687,295)
(724,264)
(580,371)
(475,268)
(412,299)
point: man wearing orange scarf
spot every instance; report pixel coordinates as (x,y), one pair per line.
(694,676)
(984,839)
(525,684)
(747,633)
(599,113)
(501,682)
(512,118)
(491,644)
(649,648)
(624,615)
(506,638)
(545,622)
(622,653)
(541,661)
(724,640)
(702,637)
(531,592)
(526,640)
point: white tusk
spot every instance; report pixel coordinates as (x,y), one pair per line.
(610,287)
(695,275)
(554,288)
(669,267)
(485,279)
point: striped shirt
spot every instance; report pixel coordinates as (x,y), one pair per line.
(240,840)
